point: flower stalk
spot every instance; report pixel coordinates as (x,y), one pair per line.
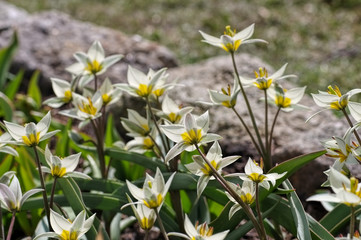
(259,213)
(225,185)
(352,221)
(42,182)
(53,192)
(351,125)
(161,226)
(11,227)
(263,150)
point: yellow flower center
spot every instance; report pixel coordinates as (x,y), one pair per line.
(192,137)
(204,231)
(88,108)
(58,171)
(159,92)
(247,198)
(256,177)
(148,143)
(31,140)
(94,67)
(106,98)
(154,203)
(340,104)
(65,235)
(67,96)
(232,46)
(263,84)
(207,170)
(146,223)
(282,101)
(173,117)
(144,90)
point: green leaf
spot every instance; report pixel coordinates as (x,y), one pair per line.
(62,146)
(6,55)
(6,107)
(290,167)
(33,89)
(149,163)
(318,231)
(298,213)
(74,197)
(13,86)
(338,218)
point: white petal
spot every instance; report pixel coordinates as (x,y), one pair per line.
(58,222)
(16,131)
(29,194)
(245,33)
(135,191)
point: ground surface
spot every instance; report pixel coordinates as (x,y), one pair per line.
(319,39)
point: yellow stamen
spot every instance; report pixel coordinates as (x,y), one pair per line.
(67,96)
(148,143)
(159,92)
(173,117)
(106,98)
(256,177)
(144,90)
(154,203)
(58,172)
(88,108)
(94,67)
(334,91)
(207,170)
(247,198)
(192,137)
(146,223)
(31,140)
(282,101)
(65,235)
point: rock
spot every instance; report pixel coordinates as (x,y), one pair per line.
(292,136)
(48,41)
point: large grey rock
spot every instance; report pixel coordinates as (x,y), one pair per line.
(49,39)
(292,136)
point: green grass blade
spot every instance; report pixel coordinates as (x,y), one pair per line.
(318,231)
(13,86)
(298,213)
(6,107)
(33,89)
(149,163)
(6,55)
(338,218)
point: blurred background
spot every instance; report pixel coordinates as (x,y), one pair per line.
(320,39)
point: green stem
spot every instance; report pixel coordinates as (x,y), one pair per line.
(42,182)
(161,227)
(352,222)
(161,155)
(250,112)
(225,185)
(11,227)
(268,167)
(164,141)
(99,145)
(2,234)
(266,124)
(146,235)
(248,131)
(177,206)
(95,82)
(258,207)
(351,125)
(53,192)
